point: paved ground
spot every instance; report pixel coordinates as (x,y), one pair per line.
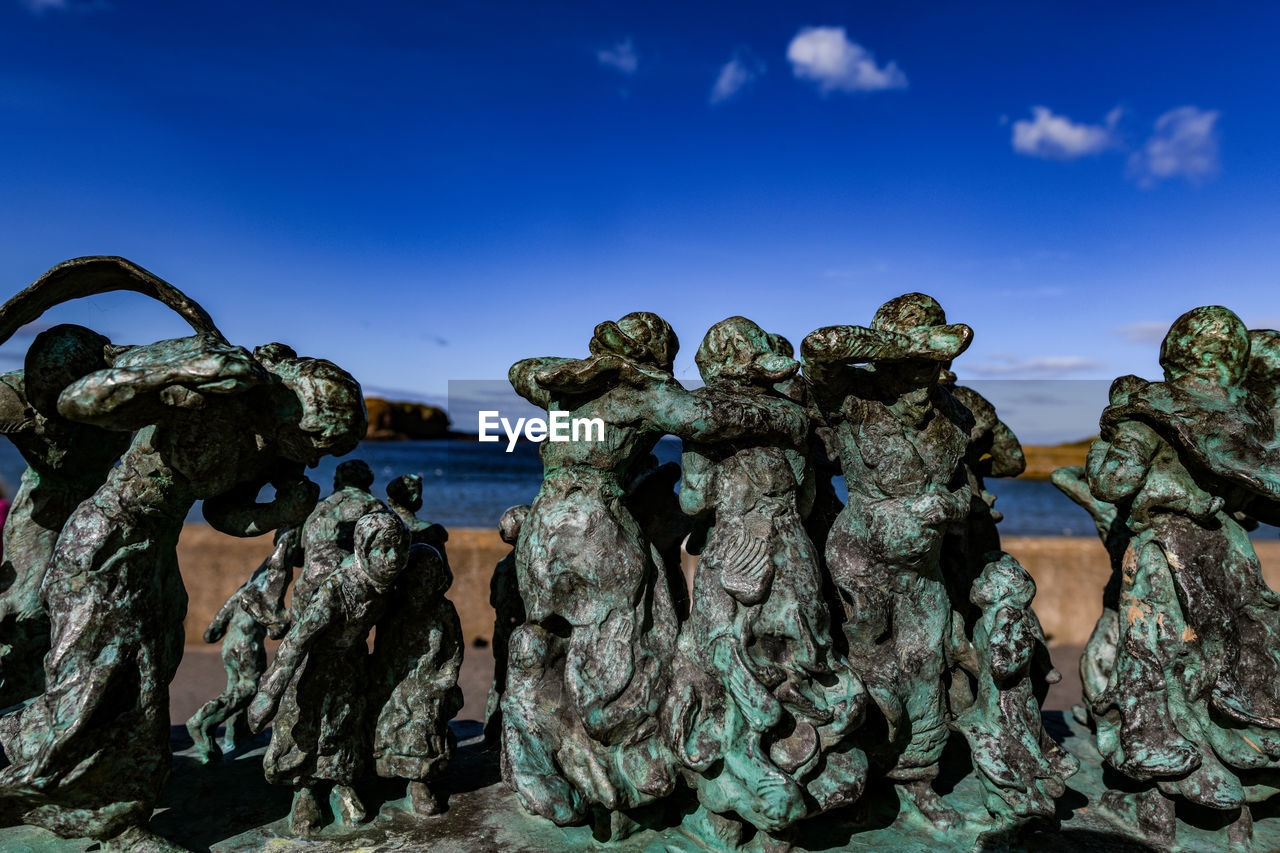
(200,678)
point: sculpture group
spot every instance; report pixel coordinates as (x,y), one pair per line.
(796,676)
(121,442)
(822,651)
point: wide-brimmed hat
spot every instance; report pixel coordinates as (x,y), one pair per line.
(906,328)
(919,318)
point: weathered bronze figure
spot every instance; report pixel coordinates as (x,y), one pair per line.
(252,612)
(1189,707)
(317,690)
(760,707)
(416,659)
(215,423)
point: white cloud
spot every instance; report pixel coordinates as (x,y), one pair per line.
(1039,367)
(621,57)
(735,75)
(1184,145)
(1148,332)
(1056,137)
(39,7)
(827,57)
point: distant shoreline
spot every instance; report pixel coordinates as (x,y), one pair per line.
(1043,460)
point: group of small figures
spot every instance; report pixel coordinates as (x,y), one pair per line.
(824,646)
(821,649)
(332,705)
(120,443)
(827,646)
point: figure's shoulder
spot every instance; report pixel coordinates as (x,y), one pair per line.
(953,408)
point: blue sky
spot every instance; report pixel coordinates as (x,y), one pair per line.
(428,192)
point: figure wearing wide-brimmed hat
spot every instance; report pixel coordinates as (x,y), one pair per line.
(902,440)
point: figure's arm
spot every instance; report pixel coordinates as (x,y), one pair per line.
(218,626)
(237,512)
(1073,483)
(696,473)
(522,376)
(293,650)
(697,419)
(263,597)
(1007,458)
(148,381)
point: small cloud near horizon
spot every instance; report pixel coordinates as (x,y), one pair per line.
(1011,366)
(827,57)
(1056,137)
(742,69)
(1184,145)
(1147,332)
(622,57)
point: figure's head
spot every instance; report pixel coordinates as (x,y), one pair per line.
(1003,582)
(57,357)
(738,351)
(641,336)
(406,491)
(511,522)
(528,648)
(425,561)
(1209,344)
(1264,362)
(381,546)
(319,407)
(353,474)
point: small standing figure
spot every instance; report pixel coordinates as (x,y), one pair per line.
(416,659)
(253,612)
(316,690)
(404,498)
(1021,769)
(508,615)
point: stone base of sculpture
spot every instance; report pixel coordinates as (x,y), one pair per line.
(227,808)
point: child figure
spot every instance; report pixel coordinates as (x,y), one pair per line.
(1021,769)
(317,687)
(508,615)
(255,610)
(416,659)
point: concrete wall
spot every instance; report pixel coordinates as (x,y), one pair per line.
(1069,573)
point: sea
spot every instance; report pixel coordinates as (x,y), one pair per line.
(470,484)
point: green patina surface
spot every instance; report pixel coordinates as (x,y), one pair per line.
(227,808)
